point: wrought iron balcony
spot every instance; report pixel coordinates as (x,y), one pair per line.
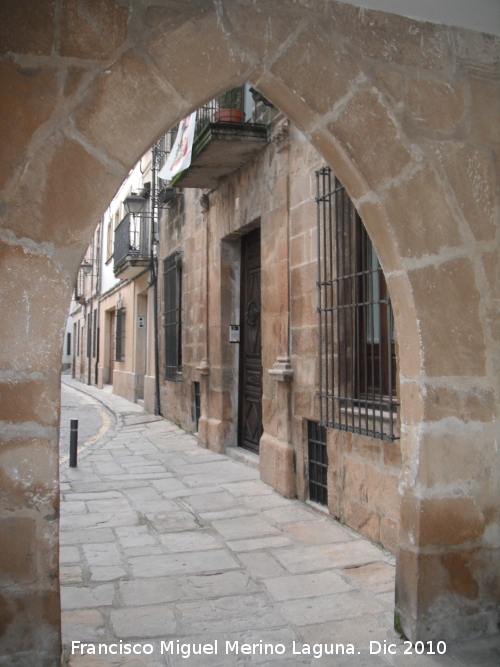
(132,245)
(80,287)
(225,139)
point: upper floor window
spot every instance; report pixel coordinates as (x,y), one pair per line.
(357,357)
(109,240)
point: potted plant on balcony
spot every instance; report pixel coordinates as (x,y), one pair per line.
(231,106)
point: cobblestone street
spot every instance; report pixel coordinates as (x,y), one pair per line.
(163,540)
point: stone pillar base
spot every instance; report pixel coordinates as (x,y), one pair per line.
(213,434)
(277,465)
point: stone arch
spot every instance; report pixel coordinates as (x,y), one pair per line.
(378,96)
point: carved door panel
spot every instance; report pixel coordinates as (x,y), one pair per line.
(250,388)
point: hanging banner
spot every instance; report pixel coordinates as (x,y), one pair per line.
(180,155)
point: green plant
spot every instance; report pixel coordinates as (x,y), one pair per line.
(398,626)
(232,98)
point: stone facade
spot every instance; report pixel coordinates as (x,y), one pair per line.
(276,193)
(406,114)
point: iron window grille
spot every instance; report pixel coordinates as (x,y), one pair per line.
(94,334)
(318,463)
(132,237)
(357,359)
(89,334)
(197,405)
(120,335)
(172,315)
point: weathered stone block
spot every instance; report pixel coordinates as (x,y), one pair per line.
(354,480)
(391,453)
(31,292)
(125,98)
(449,457)
(92,28)
(382,491)
(277,465)
(453,344)
(445,521)
(390,38)
(411,205)
(371,139)
(437,106)
(18,556)
(389,534)
(368,448)
(470,172)
(27,27)
(285,99)
(471,404)
(53,191)
(268,20)
(361,519)
(29,98)
(28,400)
(27,472)
(293,68)
(485,111)
(408,337)
(491,269)
(208,67)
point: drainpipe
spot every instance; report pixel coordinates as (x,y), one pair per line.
(155,228)
(89,324)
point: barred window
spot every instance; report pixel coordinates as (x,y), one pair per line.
(318,463)
(357,359)
(172,315)
(120,335)
(94,334)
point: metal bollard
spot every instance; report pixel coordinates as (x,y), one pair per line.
(73,443)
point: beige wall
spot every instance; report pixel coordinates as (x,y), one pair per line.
(128,374)
(406,113)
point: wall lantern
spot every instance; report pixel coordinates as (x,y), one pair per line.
(134,203)
(86,267)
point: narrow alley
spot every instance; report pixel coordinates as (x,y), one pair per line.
(162,540)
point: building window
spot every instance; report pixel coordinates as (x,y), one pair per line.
(172,315)
(109,240)
(120,335)
(197,405)
(68,343)
(357,358)
(318,463)
(94,334)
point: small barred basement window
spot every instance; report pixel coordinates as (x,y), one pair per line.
(197,405)
(318,463)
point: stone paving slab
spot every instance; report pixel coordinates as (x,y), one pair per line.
(164,541)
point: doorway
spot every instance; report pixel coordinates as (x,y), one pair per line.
(112,343)
(250,380)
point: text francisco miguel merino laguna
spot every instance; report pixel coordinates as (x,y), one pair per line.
(187,649)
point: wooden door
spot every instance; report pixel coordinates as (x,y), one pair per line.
(112,343)
(250,384)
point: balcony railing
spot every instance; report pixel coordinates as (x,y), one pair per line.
(132,237)
(227,108)
(80,287)
(230,130)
